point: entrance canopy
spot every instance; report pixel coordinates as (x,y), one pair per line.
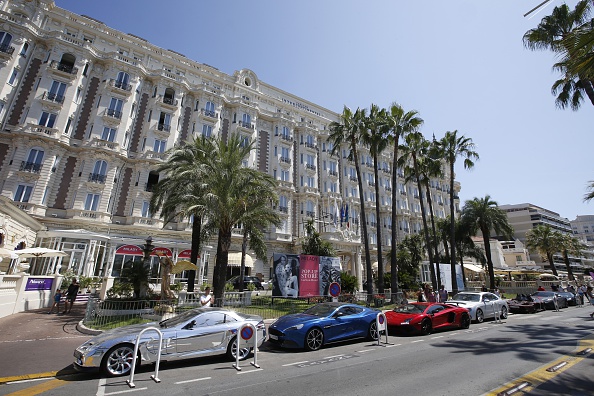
(473,268)
(235,260)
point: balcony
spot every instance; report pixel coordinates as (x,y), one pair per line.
(283,209)
(208,114)
(310,167)
(309,190)
(105,144)
(369,165)
(246,125)
(285,138)
(52,98)
(353,179)
(164,127)
(388,188)
(373,224)
(6,49)
(285,160)
(388,171)
(147,221)
(30,167)
(63,69)
(154,155)
(112,114)
(120,86)
(167,101)
(371,183)
(96,178)
(310,145)
(310,213)
(42,129)
(333,173)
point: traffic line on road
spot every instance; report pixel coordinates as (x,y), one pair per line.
(28,380)
(38,389)
(192,380)
(15,378)
(545,372)
(125,391)
(250,371)
(294,364)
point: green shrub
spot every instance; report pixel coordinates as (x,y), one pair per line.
(251,287)
(120,290)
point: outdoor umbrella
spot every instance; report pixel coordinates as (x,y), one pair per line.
(5,253)
(39,252)
(183,265)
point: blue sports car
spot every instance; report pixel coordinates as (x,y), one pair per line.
(323,324)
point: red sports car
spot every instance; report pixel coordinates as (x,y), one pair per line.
(424,317)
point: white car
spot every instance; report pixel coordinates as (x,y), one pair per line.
(481,305)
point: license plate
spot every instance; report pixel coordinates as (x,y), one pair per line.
(273,337)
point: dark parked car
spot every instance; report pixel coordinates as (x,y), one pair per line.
(571,299)
(246,281)
(548,299)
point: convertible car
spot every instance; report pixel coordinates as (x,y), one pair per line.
(197,332)
(425,317)
(481,305)
(323,324)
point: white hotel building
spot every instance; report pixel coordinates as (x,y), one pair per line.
(87,114)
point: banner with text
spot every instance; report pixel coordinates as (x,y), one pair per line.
(309,281)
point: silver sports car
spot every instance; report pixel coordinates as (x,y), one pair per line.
(197,332)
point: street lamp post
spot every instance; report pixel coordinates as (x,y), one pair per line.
(148,249)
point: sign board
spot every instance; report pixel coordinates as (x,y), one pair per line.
(247,337)
(39,284)
(334,289)
(185,254)
(130,250)
(161,251)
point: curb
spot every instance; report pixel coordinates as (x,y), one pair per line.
(85,330)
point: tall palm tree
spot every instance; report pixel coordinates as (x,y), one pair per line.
(483,214)
(414,150)
(453,147)
(552,33)
(545,241)
(235,196)
(590,195)
(399,123)
(347,132)
(570,245)
(581,42)
(374,137)
(180,191)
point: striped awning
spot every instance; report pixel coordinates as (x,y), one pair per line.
(473,268)
(235,260)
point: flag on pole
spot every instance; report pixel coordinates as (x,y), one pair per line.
(336,213)
(341,214)
(346,216)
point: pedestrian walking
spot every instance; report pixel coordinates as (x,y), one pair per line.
(443,294)
(590,296)
(57,299)
(71,294)
(206,299)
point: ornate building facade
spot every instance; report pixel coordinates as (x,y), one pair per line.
(87,114)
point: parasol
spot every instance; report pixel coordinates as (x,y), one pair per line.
(183,265)
(40,252)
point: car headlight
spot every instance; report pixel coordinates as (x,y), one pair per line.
(407,321)
(469,309)
(296,327)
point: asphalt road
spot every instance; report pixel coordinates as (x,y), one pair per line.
(509,358)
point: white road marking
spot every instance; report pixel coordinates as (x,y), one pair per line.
(330,357)
(101,387)
(29,380)
(392,345)
(125,391)
(434,338)
(192,380)
(251,371)
(366,350)
(412,342)
(294,364)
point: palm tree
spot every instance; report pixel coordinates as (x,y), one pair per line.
(314,245)
(453,147)
(399,123)
(179,193)
(483,214)
(375,138)
(555,33)
(590,195)
(581,42)
(570,244)
(236,195)
(545,241)
(348,132)
(415,149)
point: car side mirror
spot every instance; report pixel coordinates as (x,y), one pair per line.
(486,300)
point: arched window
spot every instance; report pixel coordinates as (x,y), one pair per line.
(169,96)
(123,80)
(283,204)
(67,63)
(5,39)
(246,120)
(310,209)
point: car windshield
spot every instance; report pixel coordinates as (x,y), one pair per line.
(544,294)
(181,318)
(410,308)
(467,297)
(320,310)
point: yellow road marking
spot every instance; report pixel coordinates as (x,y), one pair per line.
(14,378)
(541,375)
(36,390)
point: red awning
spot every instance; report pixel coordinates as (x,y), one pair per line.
(162,251)
(185,254)
(129,250)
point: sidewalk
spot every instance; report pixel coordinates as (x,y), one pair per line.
(35,342)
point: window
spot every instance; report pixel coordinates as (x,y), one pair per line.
(159,146)
(13,76)
(108,134)
(34,161)
(284,175)
(285,132)
(164,122)
(23,193)
(24,49)
(47,119)
(209,109)
(246,119)
(56,92)
(5,39)
(283,204)
(115,108)
(92,201)
(145,210)
(311,181)
(207,131)
(122,81)
(99,172)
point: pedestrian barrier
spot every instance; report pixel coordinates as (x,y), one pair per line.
(381,324)
(247,337)
(154,377)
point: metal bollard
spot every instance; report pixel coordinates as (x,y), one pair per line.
(154,377)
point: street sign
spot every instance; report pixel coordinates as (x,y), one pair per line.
(334,289)
(247,338)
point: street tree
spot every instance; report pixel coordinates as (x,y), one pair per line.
(546,242)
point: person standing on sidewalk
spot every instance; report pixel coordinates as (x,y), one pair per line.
(443,294)
(71,294)
(57,299)
(206,299)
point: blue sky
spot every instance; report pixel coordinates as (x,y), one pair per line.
(460,63)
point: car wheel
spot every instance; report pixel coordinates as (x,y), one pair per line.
(504,312)
(372,334)
(232,351)
(314,339)
(426,327)
(480,316)
(465,321)
(118,360)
